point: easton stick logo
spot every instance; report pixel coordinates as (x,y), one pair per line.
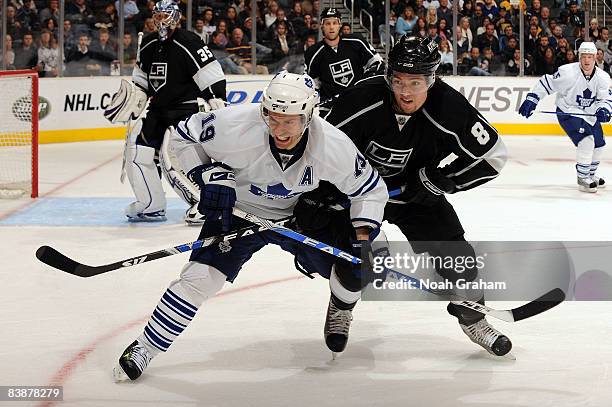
(133,262)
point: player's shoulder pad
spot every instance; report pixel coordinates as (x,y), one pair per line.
(453,113)
(331,145)
(366,93)
(148,39)
(189,39)
(357,41)
(602,76)
(312,50)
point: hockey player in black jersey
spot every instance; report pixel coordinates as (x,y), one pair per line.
(405,123)
(174,69)
(337,62)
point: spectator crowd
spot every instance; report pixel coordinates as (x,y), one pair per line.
(486,37)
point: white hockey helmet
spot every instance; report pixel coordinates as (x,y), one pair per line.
(587,48)
(290,93)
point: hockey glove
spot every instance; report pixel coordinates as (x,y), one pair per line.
(603,115)
(431,186)
(529,105)
(217,192)
(372,253)
(313,212)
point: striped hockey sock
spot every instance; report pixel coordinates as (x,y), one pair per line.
(583,170)
(168,321)
(593,169)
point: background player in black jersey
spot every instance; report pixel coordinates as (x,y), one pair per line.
(337,62)
(175,68)
(405,124)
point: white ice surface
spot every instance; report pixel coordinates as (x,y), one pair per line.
(260,343)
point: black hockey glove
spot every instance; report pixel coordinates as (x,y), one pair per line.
(313,212)
(430,186)
(217,192)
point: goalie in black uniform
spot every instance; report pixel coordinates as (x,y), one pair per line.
(405,124)
(173,70)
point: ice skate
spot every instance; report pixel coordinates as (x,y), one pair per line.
(337,325)
(587,184)
(483,334)
(193,216)
(601,183)
(132,363)
(135,215)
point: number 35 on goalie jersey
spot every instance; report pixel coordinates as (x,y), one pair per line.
(176,70)
(446,125)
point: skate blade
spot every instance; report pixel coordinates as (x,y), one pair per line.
(587,189)
(119,375)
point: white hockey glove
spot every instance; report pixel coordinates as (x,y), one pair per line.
(128,103)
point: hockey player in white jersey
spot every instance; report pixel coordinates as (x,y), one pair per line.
(261,159)
(583,103)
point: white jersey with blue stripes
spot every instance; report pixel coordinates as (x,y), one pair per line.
(576,93)
(267,187)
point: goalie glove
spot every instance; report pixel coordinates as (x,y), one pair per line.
(217,192)
(127,104)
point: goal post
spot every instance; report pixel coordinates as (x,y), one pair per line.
(18,133)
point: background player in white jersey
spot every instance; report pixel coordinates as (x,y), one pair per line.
(338,62)
(175,68)
(261,159)
(583,103)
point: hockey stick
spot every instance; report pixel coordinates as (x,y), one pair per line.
(547,301)
(128,129)
(54,258)
(566,114)
(60,261)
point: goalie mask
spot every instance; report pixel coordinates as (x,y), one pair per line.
(166,16)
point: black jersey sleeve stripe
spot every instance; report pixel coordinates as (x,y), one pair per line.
(359,113)
(313,58)
(363,43)
(198,66)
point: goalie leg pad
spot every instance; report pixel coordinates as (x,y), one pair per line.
(128,103)
(142,172)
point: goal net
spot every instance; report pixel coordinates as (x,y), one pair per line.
(18,134)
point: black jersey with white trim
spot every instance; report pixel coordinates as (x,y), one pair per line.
(177,70)
(337,68)
(399,146)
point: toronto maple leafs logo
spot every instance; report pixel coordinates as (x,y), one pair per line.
(276,191)
(586,100)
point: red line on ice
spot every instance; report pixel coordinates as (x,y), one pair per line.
(61,376)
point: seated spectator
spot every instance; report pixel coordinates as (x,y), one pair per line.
(489,9)
(129,50)
(8,56)
(232,19)
(532,40)
(48,55)
(575,16)
(149,26)
(70,38)
(103,51)
(392,31)
(147,11)
(79,12)
(198,28)
(477,19)
(107,18)
(209,21)
(488,39)
(51,25)
(467,10)
(508,33)
(444,31)
(594,30)
(14,28)
(26,56)
(282,45)
(248,29)
(469,60)
(465,37)
(50,12)
(345,29)
(432,32)
(545,21)
(130,13)
(481,30)
(240,48)
(27,14)
(508,52)
(601,63)
(296,11)
(446,58)
(557,36)
(421,28)
(406,22)
(432,16)
(270,16)
(419,9)
(444,11)
(513,65)
(222,28)
(604,39)
(535,9)
(504,20)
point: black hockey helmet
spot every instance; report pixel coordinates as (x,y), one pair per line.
(330,12)
(414,55)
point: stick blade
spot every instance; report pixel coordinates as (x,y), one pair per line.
(547,301)
(55,259)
